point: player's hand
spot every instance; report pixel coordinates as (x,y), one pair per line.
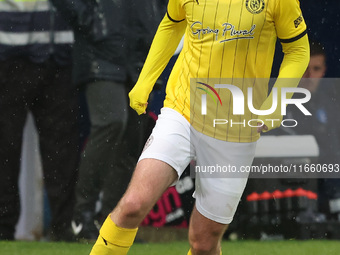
(138,100)
(261,127)
(268,122)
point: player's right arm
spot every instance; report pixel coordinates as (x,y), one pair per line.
(165,42)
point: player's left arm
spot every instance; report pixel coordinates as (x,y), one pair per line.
(291,30)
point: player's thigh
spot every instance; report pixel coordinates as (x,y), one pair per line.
(165,156)
(149,181)
(219,180)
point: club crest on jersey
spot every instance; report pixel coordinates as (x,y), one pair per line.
(255,6)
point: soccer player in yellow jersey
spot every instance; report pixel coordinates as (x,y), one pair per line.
(226,42)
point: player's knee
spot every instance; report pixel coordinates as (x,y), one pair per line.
(206,242)
(199,248)
(203,245)
(132,207)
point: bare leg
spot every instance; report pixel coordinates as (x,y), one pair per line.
(149,181)
(205,235)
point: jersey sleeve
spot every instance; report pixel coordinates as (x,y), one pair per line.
(291,30)
(289,22)
(175,11)
(164,44)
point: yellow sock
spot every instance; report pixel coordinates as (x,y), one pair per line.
(113,240)
(189,252)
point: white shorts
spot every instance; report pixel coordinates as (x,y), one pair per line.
(176,143)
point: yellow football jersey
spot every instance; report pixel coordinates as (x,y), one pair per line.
(227,42)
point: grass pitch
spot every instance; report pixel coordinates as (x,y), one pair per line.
(292,247)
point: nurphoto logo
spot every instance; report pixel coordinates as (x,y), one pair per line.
(279,98)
